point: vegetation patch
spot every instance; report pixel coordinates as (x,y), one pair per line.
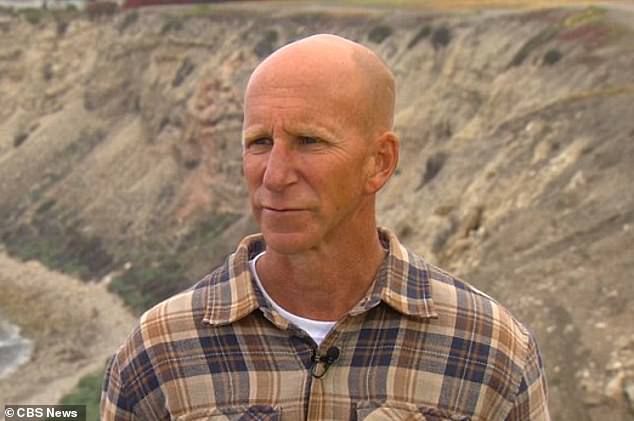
(87,140)
(552,56)
(46,206)
(266,45)
(59,248)
(208,230)
(199,10)
(378,34)
(128,20)
(47,71)
(423,33)
(587,26)
(159,275)
(433,166)
(32,15)
(440,37)
(150,282)
(172,23)
(442,237)
(87,392)
(61,27)
(588,15)
(37,191)
(185,69)
(591,35)
(190,164)
(536,41)
(19,139)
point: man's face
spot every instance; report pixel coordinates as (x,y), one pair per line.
(305,158)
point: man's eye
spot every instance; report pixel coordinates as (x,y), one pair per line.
(263,141)
(308,140)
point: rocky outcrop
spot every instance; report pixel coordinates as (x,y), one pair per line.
(120,143)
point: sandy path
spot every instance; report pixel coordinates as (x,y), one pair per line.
(75,326)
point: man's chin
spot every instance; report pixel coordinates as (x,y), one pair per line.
(287,242)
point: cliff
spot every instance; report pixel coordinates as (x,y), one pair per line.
(120,158)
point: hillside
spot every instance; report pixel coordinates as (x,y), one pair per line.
(120,158)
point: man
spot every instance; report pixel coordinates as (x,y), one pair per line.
(323,316)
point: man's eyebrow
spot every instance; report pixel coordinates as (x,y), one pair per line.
(301,130)
(253,131)
(308,130)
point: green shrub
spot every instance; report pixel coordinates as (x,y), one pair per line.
(86,141)
(47,71)
(552,56)
(199,10)
(378,34)
(87,392)
(19,139)
(421,34)
(33,15)
(129,19)
(440,37)
(185,69)
(530,45)
(266,45)
(172,23)
(62,26)
(158,276)
(208,230)
(58,247)
(434,164)
(149,283)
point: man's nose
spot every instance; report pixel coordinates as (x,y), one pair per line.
(280,169)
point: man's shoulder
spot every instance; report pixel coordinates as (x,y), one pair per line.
(450,289)
(463,306)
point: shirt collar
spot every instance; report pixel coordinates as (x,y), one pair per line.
(402,282)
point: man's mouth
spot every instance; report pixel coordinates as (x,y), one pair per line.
(276,209)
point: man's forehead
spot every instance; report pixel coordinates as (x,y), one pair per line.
(320,59)
(296,90)
(335,70)
(296,110)
(299,73)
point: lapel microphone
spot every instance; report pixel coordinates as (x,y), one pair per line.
(325,361)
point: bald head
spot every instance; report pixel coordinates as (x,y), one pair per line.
(353,75)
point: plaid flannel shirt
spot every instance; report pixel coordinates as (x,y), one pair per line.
(421,345)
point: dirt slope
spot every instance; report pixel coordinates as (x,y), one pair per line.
(74,326)
(119,144)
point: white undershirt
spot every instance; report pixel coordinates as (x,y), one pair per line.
(317,329)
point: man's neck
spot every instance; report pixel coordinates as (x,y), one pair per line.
(322,284)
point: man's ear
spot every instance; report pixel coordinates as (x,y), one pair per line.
(383,161)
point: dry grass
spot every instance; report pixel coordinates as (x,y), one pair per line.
(460,5)
(439,5)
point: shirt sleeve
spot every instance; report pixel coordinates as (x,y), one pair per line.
(531,401)
(114,404)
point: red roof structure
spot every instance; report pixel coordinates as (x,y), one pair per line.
(132,4)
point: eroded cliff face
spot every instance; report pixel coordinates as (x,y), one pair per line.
(120,143)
